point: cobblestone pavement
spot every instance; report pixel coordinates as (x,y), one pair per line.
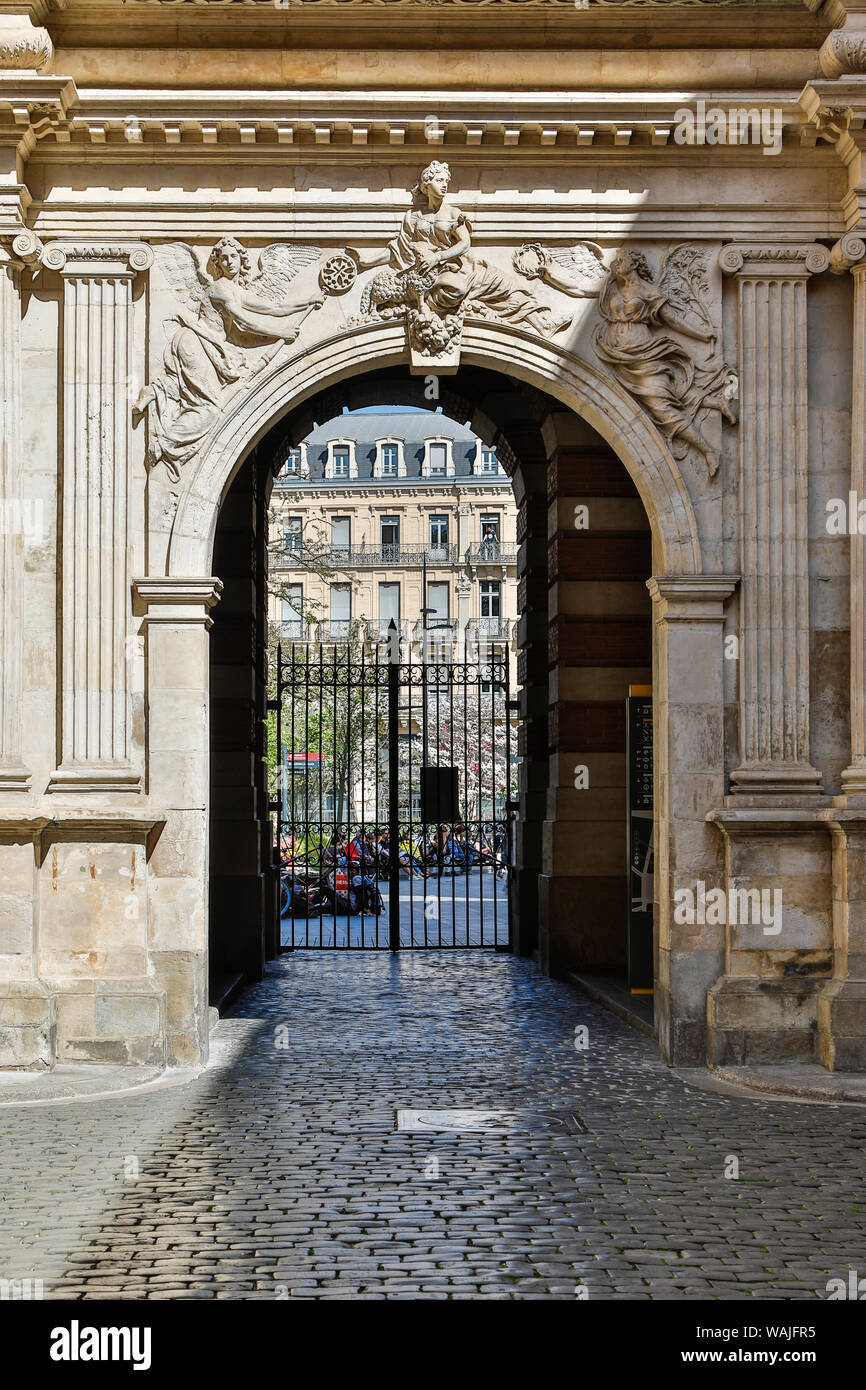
(279,1172)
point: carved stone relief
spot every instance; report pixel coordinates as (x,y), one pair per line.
(435,278)
(675,383)
(234,318)
(231,324)
(23,45)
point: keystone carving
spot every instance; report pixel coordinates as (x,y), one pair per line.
(674,385)
(434,278)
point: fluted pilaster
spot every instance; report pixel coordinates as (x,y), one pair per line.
(849,253)
(95,584)
(773,486)
(14,776)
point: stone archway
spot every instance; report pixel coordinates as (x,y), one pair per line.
(688,616)
(582,387)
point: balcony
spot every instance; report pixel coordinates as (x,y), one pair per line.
(491,553)
(375,631)
(489,629)
(291,630)
(368,556)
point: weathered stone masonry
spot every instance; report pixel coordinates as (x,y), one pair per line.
(213,219)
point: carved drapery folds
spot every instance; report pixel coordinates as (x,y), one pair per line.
(95,584)
(435,279)
(15,252)
(234,317)
(229,316)
(773,481)
(676,382)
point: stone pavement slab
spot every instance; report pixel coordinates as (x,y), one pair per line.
(280,1172)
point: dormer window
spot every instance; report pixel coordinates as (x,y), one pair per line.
(486,460)
(296,465)
(341,459)
(438,460)
(389,458)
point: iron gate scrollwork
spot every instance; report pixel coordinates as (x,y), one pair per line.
(391,791)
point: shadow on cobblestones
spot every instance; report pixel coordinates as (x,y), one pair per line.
(279,1172)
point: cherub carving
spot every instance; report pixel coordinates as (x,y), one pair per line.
(228,312)
(670,383)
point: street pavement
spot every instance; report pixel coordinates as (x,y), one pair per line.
(279,1173)
(452,910)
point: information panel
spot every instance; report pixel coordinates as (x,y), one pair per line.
(639,795)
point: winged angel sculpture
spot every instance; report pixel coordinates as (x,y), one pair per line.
(228,311)
(672,385)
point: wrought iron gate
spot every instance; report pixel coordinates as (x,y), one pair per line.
(392,791)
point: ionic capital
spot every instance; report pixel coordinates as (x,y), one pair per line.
(773,260)
(848,252)
(120,260)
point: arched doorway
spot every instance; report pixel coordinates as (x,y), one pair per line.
(689,611)
(584,639)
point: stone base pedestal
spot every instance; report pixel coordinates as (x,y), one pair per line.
(842,1025)
(755,1021)
(28,1026)
(682,978)
(112,1021)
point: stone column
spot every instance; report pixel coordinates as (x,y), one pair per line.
(14,516)
(842,1003)
(774,598)
(689,777)
(175,620)
(850,254)
(95,579)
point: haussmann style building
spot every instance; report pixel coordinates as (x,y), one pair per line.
(397,518)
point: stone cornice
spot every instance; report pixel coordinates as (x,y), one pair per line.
(486,4)
(226,124)
(495,23)
(175,599)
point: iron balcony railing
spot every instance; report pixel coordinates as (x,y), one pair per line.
(370,556)
(292,630)
(489,629)
(378,630)
(492,553)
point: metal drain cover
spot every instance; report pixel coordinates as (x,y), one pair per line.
(489,1121)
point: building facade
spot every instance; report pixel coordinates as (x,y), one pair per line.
(371,507)
(221,223)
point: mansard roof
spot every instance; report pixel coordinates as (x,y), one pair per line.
(411,428)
